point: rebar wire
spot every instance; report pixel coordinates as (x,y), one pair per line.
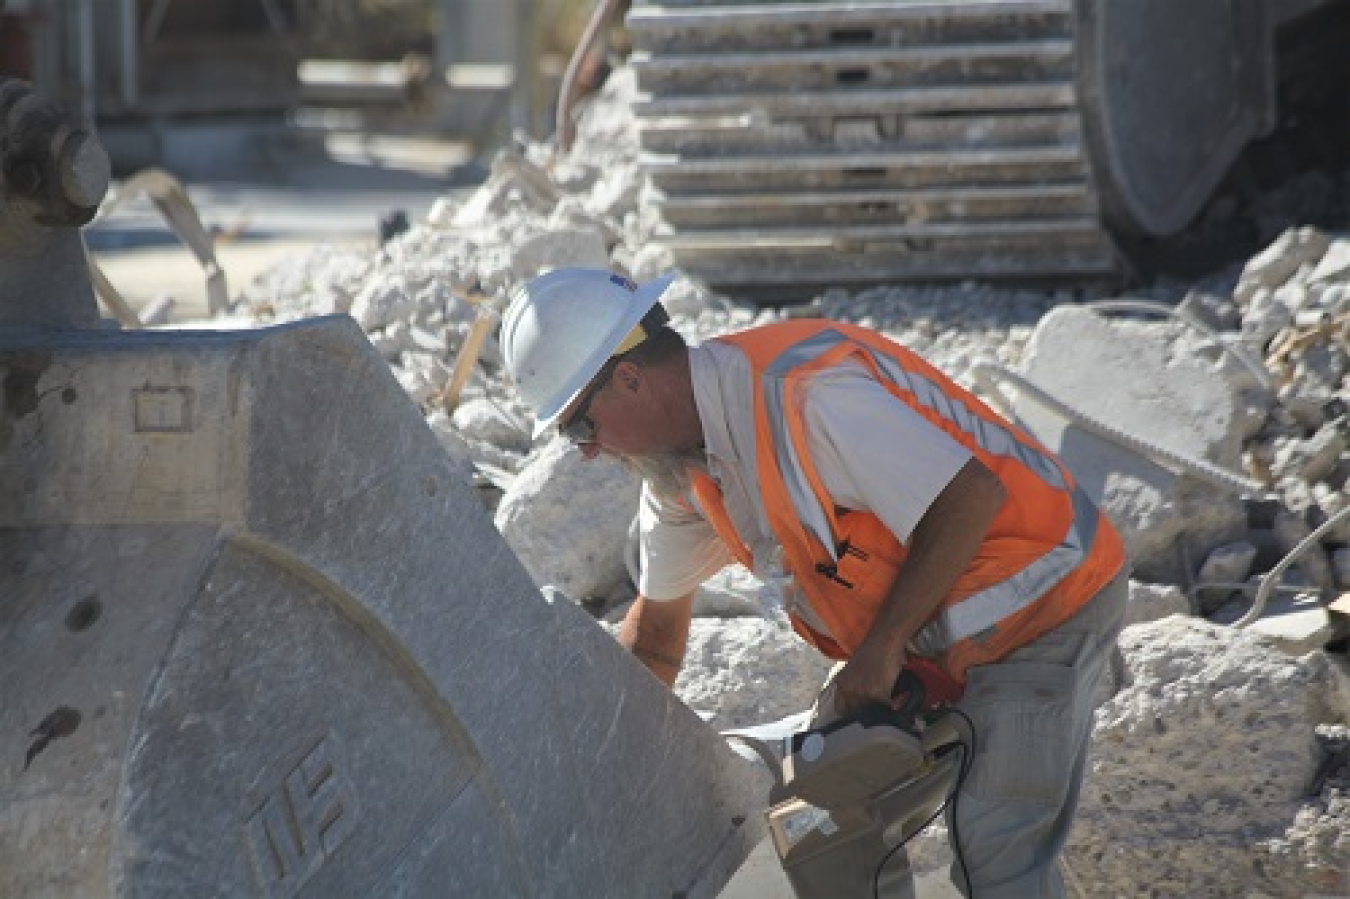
(1272,578)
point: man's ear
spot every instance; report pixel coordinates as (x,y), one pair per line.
(629,375)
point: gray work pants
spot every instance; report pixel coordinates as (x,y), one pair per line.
(1033,715)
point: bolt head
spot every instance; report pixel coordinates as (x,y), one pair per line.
(85,170)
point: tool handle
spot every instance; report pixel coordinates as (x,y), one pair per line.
(921,686)
(907,696)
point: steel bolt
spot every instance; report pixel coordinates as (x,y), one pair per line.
(57,166)
(85,170)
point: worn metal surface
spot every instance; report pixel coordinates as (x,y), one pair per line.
(53,173)
(1165,124)
(258,637)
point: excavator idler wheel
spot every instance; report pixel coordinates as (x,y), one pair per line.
(50,164)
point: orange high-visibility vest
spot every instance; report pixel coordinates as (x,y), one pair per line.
(1046,553)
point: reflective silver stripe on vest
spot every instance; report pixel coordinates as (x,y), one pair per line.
(992,437)
(982,611)
(804,499)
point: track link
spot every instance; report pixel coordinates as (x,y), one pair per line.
(799,145)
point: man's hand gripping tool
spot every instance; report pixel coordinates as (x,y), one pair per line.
(854,788)
(856,758)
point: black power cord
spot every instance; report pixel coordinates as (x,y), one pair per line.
(967,754)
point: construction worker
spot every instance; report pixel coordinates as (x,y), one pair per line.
(897,515)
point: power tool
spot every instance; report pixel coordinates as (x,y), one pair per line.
(850,791)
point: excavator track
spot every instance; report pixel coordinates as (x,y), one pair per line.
(796,145)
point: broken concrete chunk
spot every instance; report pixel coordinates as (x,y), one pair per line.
(748,670)
(1204,758)
(1334,264)
(442,212)
(1307,406)
(383,302)
(1314,459)
(1251,410)
(688,299)
(1125,375)
(416,384)
(1150,602)
(393,341)
(571,214)
(429,341)
(1276,264)
(583,247)
(1335,299)
(1331,503)
(483,419)
(614,193)
(513,181)
(1323,365)
(1294,297)
(1266,316)
(1297,622)
(731,593)
(1225,565)
(567,519)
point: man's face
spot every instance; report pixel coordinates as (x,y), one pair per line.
(613,414)
(617,415)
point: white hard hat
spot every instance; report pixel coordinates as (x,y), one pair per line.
(562,327)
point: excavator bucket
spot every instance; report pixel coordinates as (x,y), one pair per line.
(259,637)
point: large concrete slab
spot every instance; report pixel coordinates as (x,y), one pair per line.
(259,637)
(1128,377)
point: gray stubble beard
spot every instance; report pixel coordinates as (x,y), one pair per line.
(668,474)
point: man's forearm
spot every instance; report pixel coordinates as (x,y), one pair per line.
(658,633)
(940,550)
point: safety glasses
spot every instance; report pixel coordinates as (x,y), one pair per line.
(579,427)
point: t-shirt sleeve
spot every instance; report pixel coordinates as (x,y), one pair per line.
(875,453)
(678,549)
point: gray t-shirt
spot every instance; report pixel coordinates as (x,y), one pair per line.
(871,451)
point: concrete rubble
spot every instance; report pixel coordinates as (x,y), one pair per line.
(1129,375)
(1203,782)
(1203,772)
(565,518)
